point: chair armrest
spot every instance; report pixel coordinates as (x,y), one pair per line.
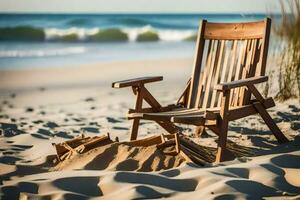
(240,83)
(136,81)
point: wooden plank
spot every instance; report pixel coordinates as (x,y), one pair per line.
(252,68)
(193,120)
(255,62)
(232,63)
(243,90)
(223,126)
(270,123)
(164,116)
(197,64)
(203,77)
(224,71)
(138,106)
(240,83)
(177,142)
(265,46)
(151,109)
(217,74)
(193,150)
(185,156)
(247,110)
(165,144)
(96,140)
(239,70)
(234,31)
(162,138)
(136,81)
(149,141)
(193,156)
(211,70)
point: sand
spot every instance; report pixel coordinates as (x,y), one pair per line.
(42,106)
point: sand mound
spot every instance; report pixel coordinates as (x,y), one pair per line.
(122,157)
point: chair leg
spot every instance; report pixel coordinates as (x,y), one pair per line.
(222,153)
(220,156)
(271,124)
(138,106)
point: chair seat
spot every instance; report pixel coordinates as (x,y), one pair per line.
(199,114)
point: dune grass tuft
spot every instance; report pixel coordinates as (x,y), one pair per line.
(289,31)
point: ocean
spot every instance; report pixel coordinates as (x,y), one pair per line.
(59,40)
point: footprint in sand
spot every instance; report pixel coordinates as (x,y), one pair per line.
(90,129)
(295,126)
(39,136)
(294,108)
(64,135)
(51,125)
(42,89)
(13,95)
(89,99)
(119,128)
(42,112)
(29,109)
(9,130)
(94,124)
(38,121)
(45,132)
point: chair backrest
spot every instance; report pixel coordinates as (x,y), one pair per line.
(226,52)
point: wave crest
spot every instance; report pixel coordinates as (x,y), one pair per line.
(75,34)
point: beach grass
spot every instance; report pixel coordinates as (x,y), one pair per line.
(289,31)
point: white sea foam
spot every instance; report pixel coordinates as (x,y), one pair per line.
(164,35)
(171,35)
(82,33)
(41,53)
(132,33)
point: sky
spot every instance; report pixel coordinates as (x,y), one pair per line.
(140,6)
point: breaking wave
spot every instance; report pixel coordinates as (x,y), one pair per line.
(75,34)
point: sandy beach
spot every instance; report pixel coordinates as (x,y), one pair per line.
(50,105)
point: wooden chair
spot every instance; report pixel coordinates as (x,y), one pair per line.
(230,59)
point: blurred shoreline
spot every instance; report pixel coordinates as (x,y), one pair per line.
(35,40)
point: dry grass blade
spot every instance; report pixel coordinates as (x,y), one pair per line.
(289,31)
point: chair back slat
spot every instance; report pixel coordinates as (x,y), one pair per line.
(229,52)
(234,31)
(217,75)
